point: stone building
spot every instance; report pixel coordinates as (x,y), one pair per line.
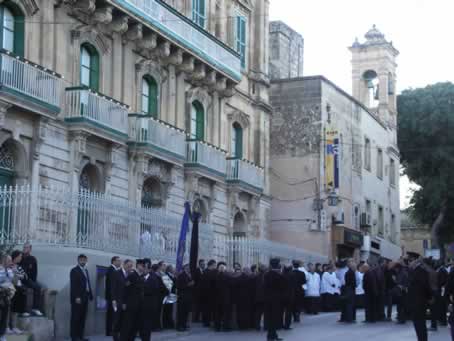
(286,51)
(334,159)
(113,113)
(416,237)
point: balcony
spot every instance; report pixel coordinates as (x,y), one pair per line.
(206,159)
(245,174)
(96,114)
(157,138)
(177,28)
(29,86)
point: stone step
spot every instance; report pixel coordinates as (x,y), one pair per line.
(24,337)
(41,328)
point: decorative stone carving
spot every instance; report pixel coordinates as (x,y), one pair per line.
(103,15)
(79,149)
(90,34)
(199,72)
(210,78)
(176,57)
(119,24)
(221,84)
(39,136)
(135,32)
(164,49)
(229,90)
(240,117)
(148,42)
(188,64)
(86,6)
(28,7)
(4,106)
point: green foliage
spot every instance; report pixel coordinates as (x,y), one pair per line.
(426,142)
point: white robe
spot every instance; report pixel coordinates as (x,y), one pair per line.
(313,284)
(330,283)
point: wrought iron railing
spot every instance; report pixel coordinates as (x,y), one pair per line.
(97,221)
(205,155)
(176,26)
(30,79)
(244,171)
(83,103)
(144,129)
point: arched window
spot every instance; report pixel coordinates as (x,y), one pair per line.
(151,193)
(149,96)
(237,141)
(89,67)
(12,30)
(197,121)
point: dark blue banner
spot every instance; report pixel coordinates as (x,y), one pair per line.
(182,241)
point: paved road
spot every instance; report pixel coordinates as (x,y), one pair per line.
(317,328)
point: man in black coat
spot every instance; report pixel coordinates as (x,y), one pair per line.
(110,274)
(133,300)
(419,295)
(379,272)
(370,294)
(349,292)
(118,285)
(289,297)
(299,279)
(259,297)
(223,299)
(30,266)
(274,286)
(442,300)
(80,294)
(185,290)
(197,301)
(149,304)
(208,293)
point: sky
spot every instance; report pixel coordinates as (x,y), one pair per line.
(422,30)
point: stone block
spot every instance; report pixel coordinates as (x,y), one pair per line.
(41,328)
(24,337)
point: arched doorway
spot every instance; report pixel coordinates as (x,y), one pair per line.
(239,225)
(240,253)
(87,221)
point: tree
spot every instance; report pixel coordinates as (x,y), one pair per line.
(426,142)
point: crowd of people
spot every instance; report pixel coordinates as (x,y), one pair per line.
(147,297)
(18,273)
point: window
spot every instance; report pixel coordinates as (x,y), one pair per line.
(240,38)
(198,12)
(380,163)
(381,223)
(197,121)
(89,67)
(393,228)
(12,35)
(237,141)
(367,155)
(392,172)
(149,97)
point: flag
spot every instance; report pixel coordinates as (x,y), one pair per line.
(194,252)
(182,241)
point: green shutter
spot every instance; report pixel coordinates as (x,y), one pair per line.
(202,12)
(200,124)
(153,98)
(239,142)
(243,41)
(19,35)
(94,70)
(1,23)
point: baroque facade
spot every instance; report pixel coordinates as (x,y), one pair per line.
(133,103)
(334,159)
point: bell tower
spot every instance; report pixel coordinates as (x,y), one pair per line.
(374,75)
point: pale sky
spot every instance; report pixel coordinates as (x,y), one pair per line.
(422,30)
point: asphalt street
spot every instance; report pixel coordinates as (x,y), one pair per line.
(323,327)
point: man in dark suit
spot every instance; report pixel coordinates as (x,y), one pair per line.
(299,279)
(133,300)
(349,293)
(80,294)
(185,285)
(274,286)
(370,294)
(110,274)
(223,299)
(419,295)
(149,305)
(117,295)
(208,293)
(197,303)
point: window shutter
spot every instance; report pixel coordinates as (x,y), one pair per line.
(153,98)
(19,32)
(94,71)
(202,12)
(239,142)
(200,129)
